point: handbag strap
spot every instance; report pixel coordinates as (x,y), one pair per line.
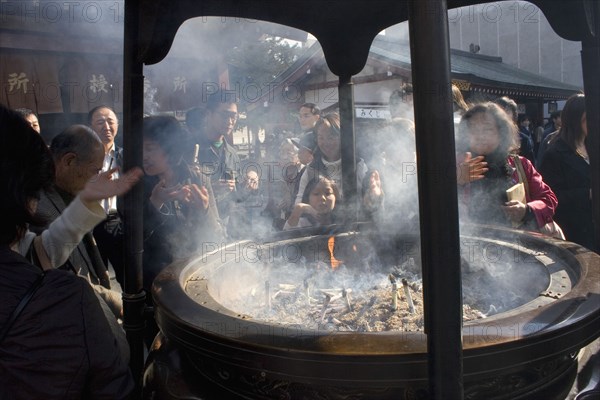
(521,174)
(22,304)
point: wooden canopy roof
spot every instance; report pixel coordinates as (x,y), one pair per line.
(332,22)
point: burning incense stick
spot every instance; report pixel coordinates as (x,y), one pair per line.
(325,304)
(346,296)
(366,307)
(268,294)
(392,279)
(196,151)
(307,290)
(394,296)
(411,306)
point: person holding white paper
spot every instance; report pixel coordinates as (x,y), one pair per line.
(488,144)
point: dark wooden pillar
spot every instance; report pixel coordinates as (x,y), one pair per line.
(134,298)
(349,185)
(438,205)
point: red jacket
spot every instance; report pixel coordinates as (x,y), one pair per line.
(540,198)
(483,204)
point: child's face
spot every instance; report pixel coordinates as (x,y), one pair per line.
(155,160)
(484,137)
(322,198)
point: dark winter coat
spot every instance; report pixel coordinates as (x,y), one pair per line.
(568,174)
(61,346)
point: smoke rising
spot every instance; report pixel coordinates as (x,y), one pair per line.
(386,145)
(497,276)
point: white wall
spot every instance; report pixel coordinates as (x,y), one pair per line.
(518,32)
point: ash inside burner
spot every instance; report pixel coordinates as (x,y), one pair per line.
(318,297)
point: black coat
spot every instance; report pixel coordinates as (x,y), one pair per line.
(526,149)
(61,345)
(568,174)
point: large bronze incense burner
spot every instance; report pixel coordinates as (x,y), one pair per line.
(528,350)
(209,350)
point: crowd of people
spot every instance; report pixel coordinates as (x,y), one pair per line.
(495,153)
(59,338)
(62,259)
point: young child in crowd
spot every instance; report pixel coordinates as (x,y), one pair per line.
(317,205)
